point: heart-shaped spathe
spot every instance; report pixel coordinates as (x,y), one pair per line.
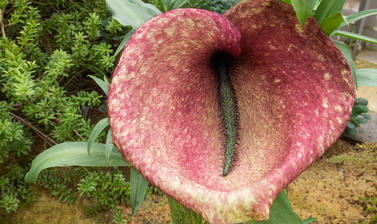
(294,92)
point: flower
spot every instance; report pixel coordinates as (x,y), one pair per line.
(294,94)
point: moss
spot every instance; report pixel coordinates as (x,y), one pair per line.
(370,207)
(48,209)
(365,157)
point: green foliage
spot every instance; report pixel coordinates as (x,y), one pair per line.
(119,218)
(367,77)
(326,9)
(219,6)
(304,9)
(182,215)
(107,189)
(47,51)
(13,190)
(359,15)
(73,154)
(281,212)
(167,5)
(359,115)
(138,189)
(58,186)
(15,141)
(132,13)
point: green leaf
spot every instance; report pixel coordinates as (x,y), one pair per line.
(361,101)
(361,120)
(359,109)
(304,9)
(132,12)
(181,215)
(347,54)
(124,41)
(366,116)
(367,77)
(109,145)
(165,5)
(353,124)
(138,189)
(168,5)
(72,154)
(327,8)
(103,84)
(359,15)
(355,36)
(332,23)
(98,128)
(281,212)
(179,4)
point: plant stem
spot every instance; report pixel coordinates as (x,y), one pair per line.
(41,134)
(2,25)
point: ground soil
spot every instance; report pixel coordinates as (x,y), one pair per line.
(330,190)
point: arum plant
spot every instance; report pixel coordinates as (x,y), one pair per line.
(219,112)
(169,112)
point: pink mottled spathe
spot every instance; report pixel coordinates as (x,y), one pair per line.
(294,91)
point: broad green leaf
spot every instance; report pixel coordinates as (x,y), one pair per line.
(354,36)
(138,189)
(132,12)
(103,84)
(359,15)
(304,9)
(106,80)
(98,128)
(281,212)
(332,23)
(367,77)
(347,54)
(109,145)
(122,44)
(328,8)
(181,215)
(72,154)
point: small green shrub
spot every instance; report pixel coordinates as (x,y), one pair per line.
(13,189)
(47,51)
(106,189)
(359,115)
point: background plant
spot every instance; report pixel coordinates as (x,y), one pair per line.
(47,51)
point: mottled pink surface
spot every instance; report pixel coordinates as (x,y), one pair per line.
(294,91)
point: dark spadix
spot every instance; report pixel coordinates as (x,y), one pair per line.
(294,93)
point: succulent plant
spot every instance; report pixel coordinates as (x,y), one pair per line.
(293,94)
